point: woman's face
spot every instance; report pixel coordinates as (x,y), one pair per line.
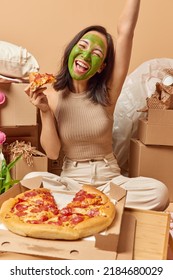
(87,56)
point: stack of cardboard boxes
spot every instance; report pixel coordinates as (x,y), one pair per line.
(18,120)
(151,153)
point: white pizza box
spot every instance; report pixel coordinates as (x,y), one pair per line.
(109,245)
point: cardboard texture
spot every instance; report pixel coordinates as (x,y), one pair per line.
(157,129)
(21,168)
(155,134)
(160,117)
(101,247)
(169,210)
(17,110)
(24,133)
(152,161)
(152,234)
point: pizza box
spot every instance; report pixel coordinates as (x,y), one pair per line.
(103,246)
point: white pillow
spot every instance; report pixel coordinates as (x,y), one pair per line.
(16,61)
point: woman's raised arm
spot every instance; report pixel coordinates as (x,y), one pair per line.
(123,48)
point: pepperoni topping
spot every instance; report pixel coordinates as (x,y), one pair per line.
(66,211)
(77,219)
(35,210)
(90,195)
(21,207)
(79,198)
(43,218)
(20,214)
(64,218)
(93,212)
(39,202)
(30,194)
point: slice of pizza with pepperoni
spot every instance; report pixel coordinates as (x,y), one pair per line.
(38,80)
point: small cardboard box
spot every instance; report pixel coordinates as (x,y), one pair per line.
(17,110)
(155,134)
(101,246)
(26,133)
(151,161)
(21,168)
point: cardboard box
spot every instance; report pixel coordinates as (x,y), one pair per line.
(155,134)
(152,234)
(25,133)
(21,168)
(17,110)
(152,161)
(160,117)
(100,246)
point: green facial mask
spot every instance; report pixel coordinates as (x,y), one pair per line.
(90,59)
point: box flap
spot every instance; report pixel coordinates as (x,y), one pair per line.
(127,237)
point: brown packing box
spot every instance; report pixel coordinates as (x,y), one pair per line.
(157,129)
(152,161)
(160,117)
(26,133)
(155,134)
(17,110)
(21,168)
(100,247)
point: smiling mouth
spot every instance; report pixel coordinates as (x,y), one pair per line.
(81,66)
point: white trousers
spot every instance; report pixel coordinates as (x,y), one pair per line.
(142,192)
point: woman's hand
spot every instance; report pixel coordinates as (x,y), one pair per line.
(38,98)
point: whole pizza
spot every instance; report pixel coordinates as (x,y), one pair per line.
(35,213)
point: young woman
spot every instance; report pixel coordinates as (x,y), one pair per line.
(77,116)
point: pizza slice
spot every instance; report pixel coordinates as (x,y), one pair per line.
(38,80)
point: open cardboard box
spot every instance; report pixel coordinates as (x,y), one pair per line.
(155,134)
(157,129)
(107,246)
(21,168)
(26,133)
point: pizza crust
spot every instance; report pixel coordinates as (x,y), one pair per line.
(85,228)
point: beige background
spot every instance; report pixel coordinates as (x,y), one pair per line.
(45,27)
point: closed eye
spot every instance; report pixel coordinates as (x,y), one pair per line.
(83,44)
(98,53)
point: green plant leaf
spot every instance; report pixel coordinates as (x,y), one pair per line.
(12,163)
(8,185)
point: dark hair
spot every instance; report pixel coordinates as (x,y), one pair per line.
(98,90)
